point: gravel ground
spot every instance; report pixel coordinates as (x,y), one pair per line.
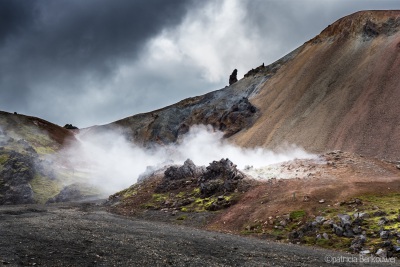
(84,234)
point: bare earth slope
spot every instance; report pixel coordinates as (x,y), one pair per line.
(341,91)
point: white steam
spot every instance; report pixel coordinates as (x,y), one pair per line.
(112,163)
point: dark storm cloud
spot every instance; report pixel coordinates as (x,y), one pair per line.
(91,62)
(15,15)
(48,46)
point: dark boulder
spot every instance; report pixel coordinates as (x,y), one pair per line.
(176,177)
(220,177)
(370,30)
(70,127)
(357,243)
(16,173)
(297,235)
(233,77)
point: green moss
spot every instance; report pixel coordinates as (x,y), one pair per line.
(325,243)
(390,203)
(207,202)
(196,191)
(149,206)
(129,193)
(309,240)
(71,176)
(44,188)
(255,228)
(297,214)
(41,150)
(159,197)
(3,159)
(182,217)
(192,199)
(181,194)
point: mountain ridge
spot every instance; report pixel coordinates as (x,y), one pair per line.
(335,94)
(336,91)
(330,94)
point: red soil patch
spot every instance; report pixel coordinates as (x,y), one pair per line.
(59,134)
(337,180)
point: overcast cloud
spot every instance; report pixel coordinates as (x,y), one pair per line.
(96,61)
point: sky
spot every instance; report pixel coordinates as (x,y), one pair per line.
(93,62)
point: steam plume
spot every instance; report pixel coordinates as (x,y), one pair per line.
(112,163)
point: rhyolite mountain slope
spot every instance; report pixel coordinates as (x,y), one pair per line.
(339,90)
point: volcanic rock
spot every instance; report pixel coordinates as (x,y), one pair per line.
(381,253)
(176,177)
(17,171)
(233,77)
(219,177)
(357,243)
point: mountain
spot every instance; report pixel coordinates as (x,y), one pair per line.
(337,91)
(27,172)
(336,96)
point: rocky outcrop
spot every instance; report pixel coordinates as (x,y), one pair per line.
(228,110)
(70,127)
(184,188)
(216,179)
(17,171)
(233,77)
(225,110)
(231,120)
(180,177)
(354,229)
(220,177)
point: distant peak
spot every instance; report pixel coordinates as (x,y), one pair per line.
(368,24)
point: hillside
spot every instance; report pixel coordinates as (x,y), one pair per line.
(29,172)
(335,96)
(337,91)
